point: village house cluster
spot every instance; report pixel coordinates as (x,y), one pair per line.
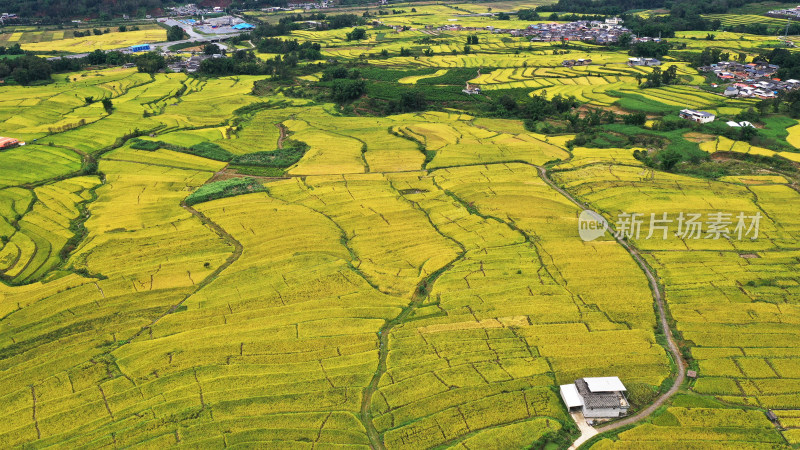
(605,32)
(191,64)
(191,9)
(308,6)
(789,12)
(5,17)
(7,142)
(750,80)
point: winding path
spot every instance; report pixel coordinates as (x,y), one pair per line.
(662,318)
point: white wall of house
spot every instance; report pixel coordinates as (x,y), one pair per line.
(603,412)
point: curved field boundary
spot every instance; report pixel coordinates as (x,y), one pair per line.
(662,318)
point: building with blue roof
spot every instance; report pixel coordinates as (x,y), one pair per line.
(243,26)
(140,48)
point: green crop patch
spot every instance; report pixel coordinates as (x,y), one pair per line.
(222,189)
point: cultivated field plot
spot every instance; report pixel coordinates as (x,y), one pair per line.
(455,140)
(730,20)
(700,427)
(30,35)
(723,144)
(68,43)
(734,301)
(183,345)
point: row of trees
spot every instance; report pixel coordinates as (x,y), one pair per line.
(305,51)
(537,108)
(26,69)
(13,50)
(96,32)
(245,62)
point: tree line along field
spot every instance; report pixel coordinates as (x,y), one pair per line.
(411,280)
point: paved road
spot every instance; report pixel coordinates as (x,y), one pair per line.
(662,317)
(587,431)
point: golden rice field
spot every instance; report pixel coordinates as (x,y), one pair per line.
(733,300)
(411,281)
(30,35)
(108,41)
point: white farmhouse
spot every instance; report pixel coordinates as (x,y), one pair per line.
(697,116)
(598,397)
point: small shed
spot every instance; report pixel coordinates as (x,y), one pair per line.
(571,397)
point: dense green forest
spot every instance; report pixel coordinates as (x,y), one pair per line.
(56,10)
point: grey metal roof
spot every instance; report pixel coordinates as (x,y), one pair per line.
(598,400)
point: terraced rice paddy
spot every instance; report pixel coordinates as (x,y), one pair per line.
(730,20)
(411,281)
(734,301)
(723,144)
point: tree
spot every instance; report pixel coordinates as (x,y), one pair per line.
(150,62)
(670,75)
(21,75)
(638,118)
(122,28)
(211,49)
(669,158)
(344,90)
(96,57)
(466,49)
(654,79)
(357,34)
(343,21)
(507,102)
(412,101)
(747,133)
(175,33)
(625,39)
(107,105)
(527,14)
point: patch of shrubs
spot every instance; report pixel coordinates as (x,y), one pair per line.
(225,188)
(210,150)
(204,149)
(290,154)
